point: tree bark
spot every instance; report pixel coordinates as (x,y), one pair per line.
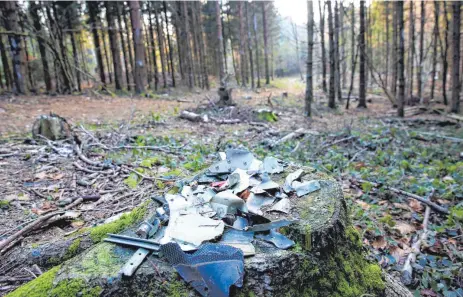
(400,56)
(120,12)
(71,17)
(257,46)
(362,48)
(186,31)
(388,12)
(395,49)
(153,48)
(202,48)
(248,30)
(343,43)
(434,52)
(6,66)
(455,104)
(444,51)
(264,21)
(337,56)
(242,44)
(298,59)
(41,42)
(220,40)
(309,83)
(11,24)
(411,53)
(139,73)
(106,55)
(111,11)
(419,71)
(160,31)
(332,94)
(94,19)
(171,54)
(322,43)
(130,41)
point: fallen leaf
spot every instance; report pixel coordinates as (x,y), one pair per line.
(77,224)
(428,293)
(245,194)
(444,202)
(382,202)
(379,242)
(397,252)
(415,205)
(401,206)
(363,204)
(404,228)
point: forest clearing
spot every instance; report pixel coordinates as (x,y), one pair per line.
(224,149)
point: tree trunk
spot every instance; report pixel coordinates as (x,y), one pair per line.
(264,21)
(309,83)
(343,43)
(160,31)
(419,71)
(395,50)
(197,44)
(455,104)
(401,58)
(28,65)
(322,43)
(171,54)
(120,12)
(153,49)
(353,54)
(186,31)
(257,45)
(139,73)
(434,52)
(220,40)
(444,51)
(224,41)
(388,12)
(71,17)
(411,54)
(362,48)
(332,94)
(251,62)
(242,44)
(41,41)
(83,57)
(130,41)
(111,11)
(202,48)
(11,24)
(298,59)
(6,66)
(336,53)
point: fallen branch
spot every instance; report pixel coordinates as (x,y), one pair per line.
(87,160)
(226,121)
(194,117)
(407,269)
(299,132)
(431,204)
(27,229)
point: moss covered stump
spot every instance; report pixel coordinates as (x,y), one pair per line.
(327,260)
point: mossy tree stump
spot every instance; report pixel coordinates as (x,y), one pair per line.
(327,260)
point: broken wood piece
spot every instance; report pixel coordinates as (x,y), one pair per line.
(298,133)
(433,205)
(194,117)
(226,121)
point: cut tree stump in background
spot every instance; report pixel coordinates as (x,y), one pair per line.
(52,127)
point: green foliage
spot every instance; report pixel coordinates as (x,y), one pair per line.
(132,180)
(267,115)
(4,204)
(38,287)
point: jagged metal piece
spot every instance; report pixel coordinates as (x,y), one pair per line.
(272,225)
(255,202)
(240,240)
(278,239)
(227,203)
(306,187)
(272,165)
(290,179)
(284,205)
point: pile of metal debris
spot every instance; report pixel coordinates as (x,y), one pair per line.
(219,214)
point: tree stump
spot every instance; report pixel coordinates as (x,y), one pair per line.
(52,127)
(327,260)
(225,95)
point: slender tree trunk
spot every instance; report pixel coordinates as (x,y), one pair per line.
(153,50)
(63,60)
(111,10)
(455,104)
(444,51)
(171,54)
(242,44)
(28,65)
(298,59)
(352,11)
(130,41)
(257,46)
(388,12)
(189,70)
(202,48)
(343,43)
(395,47)
(362,48)
(401,58)
(6,66)
(11,24)
(251,62)
(139,71)
(83,57)
(120,12)
(419,71)
(160,31)
(195,36)
(434,52)
(411,54)
(106,54)
(322,43)
(309,85)
(150,68)
(72,16)
(224,41)
(220,40)
(264,21)
(336,51)
(41,41)
(94,19)
(332,94)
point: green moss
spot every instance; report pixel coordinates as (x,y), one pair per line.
(354,236)
(74,287)
(308,238)
(177,289)
(4,204)
(38,287)
(73,248)
(388,220)
(99,232)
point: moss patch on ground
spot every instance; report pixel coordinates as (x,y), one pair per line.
(38,287)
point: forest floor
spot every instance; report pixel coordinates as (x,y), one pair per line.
(367,150)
